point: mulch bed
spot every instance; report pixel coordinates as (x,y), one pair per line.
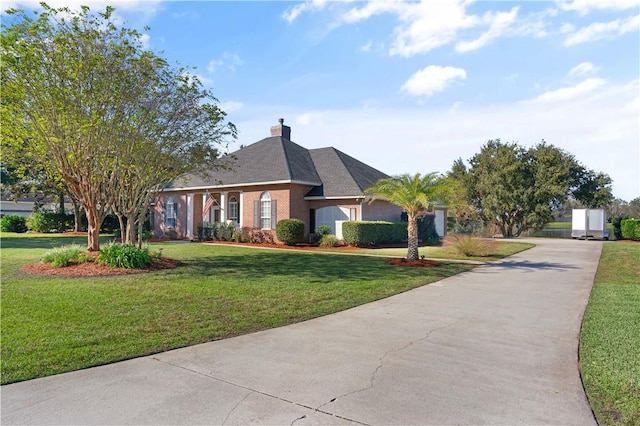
(92,269)
(425,263)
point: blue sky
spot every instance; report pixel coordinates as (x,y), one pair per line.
(411,86)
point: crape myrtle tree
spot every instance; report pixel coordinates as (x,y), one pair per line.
(413,193)
(517,189)
(116,122)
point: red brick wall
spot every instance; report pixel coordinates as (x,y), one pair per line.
(381,210)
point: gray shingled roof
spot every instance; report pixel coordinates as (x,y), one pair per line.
(341,174)
(277,159)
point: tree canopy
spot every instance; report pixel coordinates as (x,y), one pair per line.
(113,121)
(517,189)
(413,193)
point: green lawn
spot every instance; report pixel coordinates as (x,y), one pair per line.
(502,249)
(53,325)
(610,338)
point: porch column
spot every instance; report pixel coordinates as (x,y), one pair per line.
(190,232)
(223,207)
(240,209)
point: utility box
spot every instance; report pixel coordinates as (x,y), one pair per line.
(589,223)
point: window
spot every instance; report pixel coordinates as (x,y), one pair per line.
(265,211)
(233,209)
(172,213)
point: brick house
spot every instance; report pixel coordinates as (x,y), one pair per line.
(271,180)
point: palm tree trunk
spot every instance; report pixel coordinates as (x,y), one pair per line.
(412,234)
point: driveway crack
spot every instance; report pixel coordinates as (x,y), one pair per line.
(236,406)
(380,364)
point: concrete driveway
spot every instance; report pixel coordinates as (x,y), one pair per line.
(497,345)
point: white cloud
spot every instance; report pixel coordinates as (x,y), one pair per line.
(229,61)
(231,106)
(595,129)
(308,118)
(603,30)
(366,47)
(583,7)
(569,93)
(582,69)
(432,79)
(428,25)
(498,23)
(145,39)
(292,13)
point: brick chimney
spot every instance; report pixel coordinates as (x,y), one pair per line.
(281,130)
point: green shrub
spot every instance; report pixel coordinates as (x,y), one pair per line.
(62,256)
(48,221)
(329,240)
(171,234)
(323,230)
(13,223)
(473,247)
(616,223)
(225,231)
(290,231)
(630,229)
(125,256)
(367,233)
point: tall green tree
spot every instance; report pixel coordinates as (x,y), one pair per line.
(413,194)
(517,189)
(116,122)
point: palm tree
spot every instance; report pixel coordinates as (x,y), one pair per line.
(413,194)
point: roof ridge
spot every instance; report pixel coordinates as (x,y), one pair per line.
(287,160)
(350,172)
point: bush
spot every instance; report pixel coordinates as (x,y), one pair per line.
(329,240)
(365,233)
(630,229)
(616,223)
(125,256)
(171,234)
(473,247)
(259,236)
(62,256)
(13,223)
(46,222)
(323,230)
(290,231)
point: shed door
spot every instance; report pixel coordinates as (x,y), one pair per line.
(334,217)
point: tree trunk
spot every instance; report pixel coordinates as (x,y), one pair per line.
(77,212)
(61,213)
(131,227)
(121,223)
(93,229)
(412,234)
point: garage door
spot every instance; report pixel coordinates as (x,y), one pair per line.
(333,217)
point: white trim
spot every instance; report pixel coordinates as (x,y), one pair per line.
(236,185)
(240,209)
(190,232)
(223,206)
(343,197)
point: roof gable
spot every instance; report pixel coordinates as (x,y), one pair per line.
(341,174)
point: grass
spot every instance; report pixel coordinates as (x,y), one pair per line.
(54,325)
(502,249)
(610,337)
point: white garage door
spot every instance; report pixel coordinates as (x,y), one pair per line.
(334,217)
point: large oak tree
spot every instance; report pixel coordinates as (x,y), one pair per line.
(517,189)
(115,121)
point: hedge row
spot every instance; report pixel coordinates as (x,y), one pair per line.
(630,229)
(367,233)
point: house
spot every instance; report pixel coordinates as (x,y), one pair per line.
(271,180)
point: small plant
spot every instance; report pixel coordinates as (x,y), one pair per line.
(329,240)
(62,256)
(323,230)
(473,247)
(171,234)
(290,231)
(13,223)
(125,256)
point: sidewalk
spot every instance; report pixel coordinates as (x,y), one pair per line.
(496,345)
